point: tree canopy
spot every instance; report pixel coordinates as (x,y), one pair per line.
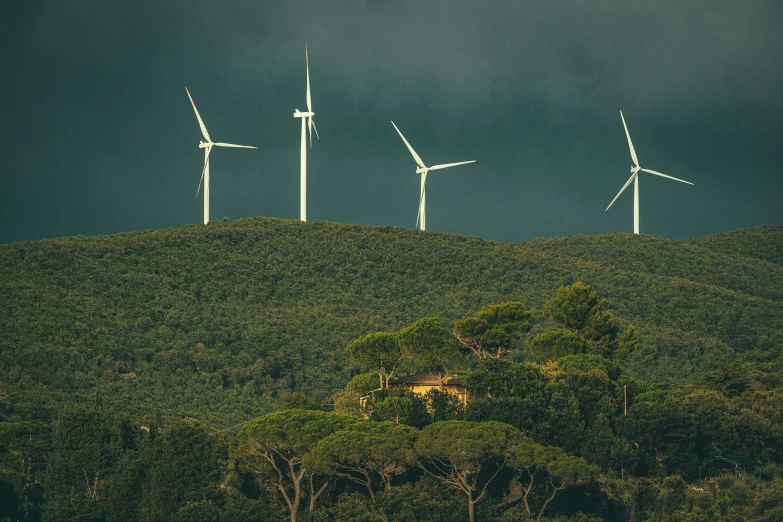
(491,331)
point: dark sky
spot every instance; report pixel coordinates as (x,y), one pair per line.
(98,135)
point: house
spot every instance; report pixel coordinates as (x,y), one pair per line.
(421,383)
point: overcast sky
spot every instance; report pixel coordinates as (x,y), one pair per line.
(98,135)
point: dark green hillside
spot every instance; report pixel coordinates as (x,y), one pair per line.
(218,321)
(765,242)
(670,257)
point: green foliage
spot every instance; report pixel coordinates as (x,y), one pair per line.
(433,346)
(444,406)
(501,378)
(764,242)
(491,331)
(558,343)
(298,400)
(380,351)
(427,499)
(587,362)
(399,406)
(513,393)
(229,321)
(86,447)
(456,453)
(216,321)
(187,465)
(731,380)
(291,433)
(351,508)
(578,309)
(201,511)
(740,260)
(282,441)
(363,382)
(532,460)
(365,452)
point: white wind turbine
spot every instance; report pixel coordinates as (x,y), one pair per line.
(422,170)
(303,154)
(207,146)
(635,168)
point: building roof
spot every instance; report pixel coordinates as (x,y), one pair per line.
(737,460)
(428,379)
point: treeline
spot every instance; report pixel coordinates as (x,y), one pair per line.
(764,242)
(701,260)
(555,429)
(220,322)
(564,448)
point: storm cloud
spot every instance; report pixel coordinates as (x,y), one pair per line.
(99,137)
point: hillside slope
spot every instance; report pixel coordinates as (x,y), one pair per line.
(217,321)
(670,257)
(765,242)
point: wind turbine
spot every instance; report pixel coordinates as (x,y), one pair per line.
(635,168)
(422,170)
(207,146)
(303,153)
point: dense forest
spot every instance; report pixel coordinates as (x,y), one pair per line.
(177,375)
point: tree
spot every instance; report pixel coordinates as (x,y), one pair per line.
(578,309)
(282,440)
(491,331)
(558,343)
(509,392)
(380,351)
(432,345)
(665,432)
(187,465)
(533,460)
(401,407)
(603,448)
(457,452)
(86,447)
(365,450)
(444,406)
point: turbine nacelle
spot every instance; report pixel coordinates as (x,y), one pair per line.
(204,145)
(300,114)
(420,170)
(635,169)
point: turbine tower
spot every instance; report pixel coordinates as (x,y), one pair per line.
(303,153)
(635,168)
(422,170)
(207,146)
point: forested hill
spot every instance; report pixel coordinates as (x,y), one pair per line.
(765,242)
(703,261)
(217,321)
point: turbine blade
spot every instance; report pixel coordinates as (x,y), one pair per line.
(232,145)
(447,165)
(307,68)
(206,162)
(630,144)
(198,116)
(310,128)
(622,189)
(665,176)
(312,122)
(413,152)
